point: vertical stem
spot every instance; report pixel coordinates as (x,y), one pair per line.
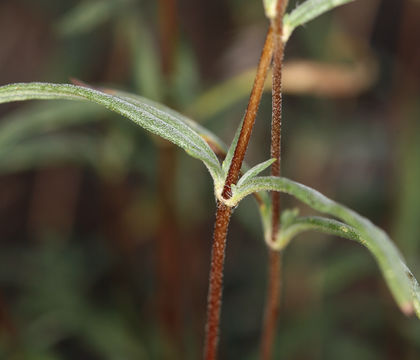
(250,115)
(274,268)
(224,212)
(276,125)
(214,300)
(168,34)
(169,242)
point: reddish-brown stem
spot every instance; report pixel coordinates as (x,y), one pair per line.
(214,300)
(274,268)
(169,244)
(224,212)
(250,115)
(168,34)
(276,126)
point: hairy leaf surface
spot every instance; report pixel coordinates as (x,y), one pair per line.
(399,278)
(162,123)
(306,12)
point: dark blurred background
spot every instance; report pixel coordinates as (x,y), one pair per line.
(105,231)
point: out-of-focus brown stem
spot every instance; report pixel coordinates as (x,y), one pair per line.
(169,242)
(274,277)
(250,115)
(224,212)
(168,34)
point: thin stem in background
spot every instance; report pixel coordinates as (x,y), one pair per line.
(271,312)
(168,22)
(224,212)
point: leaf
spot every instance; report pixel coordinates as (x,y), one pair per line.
(292,226)
(253,172)
(306,12)
(151,118)
(399,278)
(229,156)
(146,64)
(87,15)
(207,135)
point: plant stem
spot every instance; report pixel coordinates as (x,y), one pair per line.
(168,22)
(250,115)
(275,151)
(224,212)
(169,242)
(274,277)
(214,300)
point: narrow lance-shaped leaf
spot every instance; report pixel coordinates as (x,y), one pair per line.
(87,15)
(147,116)
(306,12)
(292,225)
(206,134)
(229,156)
(401,281)
(254,171)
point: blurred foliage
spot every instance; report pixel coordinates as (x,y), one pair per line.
(93,294)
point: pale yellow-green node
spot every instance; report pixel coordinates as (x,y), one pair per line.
(270,7)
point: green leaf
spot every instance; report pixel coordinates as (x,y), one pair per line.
(229,156)
(292,226)
(399,278)
(151,118)
(306,12)
(87,15)
(207,135)
(146,64)
(253,172)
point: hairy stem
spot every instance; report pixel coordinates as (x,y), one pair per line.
(250,115)
(271,312)
(224,212)
(214,300)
